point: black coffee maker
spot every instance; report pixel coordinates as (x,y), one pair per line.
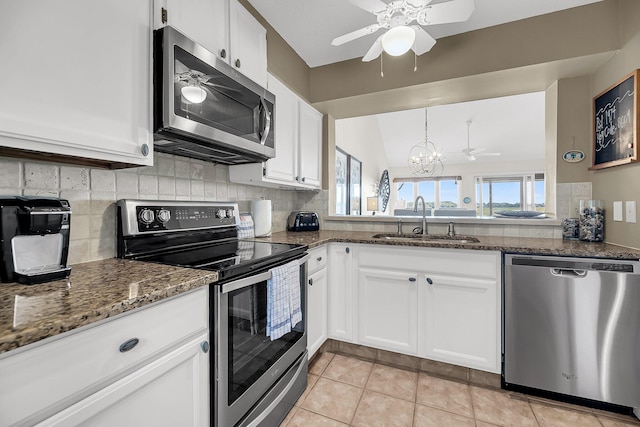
(34,240)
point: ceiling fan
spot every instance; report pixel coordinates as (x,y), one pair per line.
(397,16)
(471,153)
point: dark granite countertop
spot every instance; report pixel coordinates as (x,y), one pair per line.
(524,245)
(95,291)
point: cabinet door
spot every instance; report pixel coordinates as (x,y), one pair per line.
(340,292)
(316,311)
(459,321)
(76,79)
(283,166)
(204,21)
(387,310)
(248,44)
(310,139)
(171,391)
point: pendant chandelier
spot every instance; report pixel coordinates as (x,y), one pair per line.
(424,157)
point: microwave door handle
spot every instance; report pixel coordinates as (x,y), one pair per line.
(267,120)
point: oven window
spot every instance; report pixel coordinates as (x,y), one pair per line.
(205,95)
(251,352)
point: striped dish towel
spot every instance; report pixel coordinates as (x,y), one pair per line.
(284,307)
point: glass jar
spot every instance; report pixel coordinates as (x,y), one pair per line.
(592,220)
(571,229)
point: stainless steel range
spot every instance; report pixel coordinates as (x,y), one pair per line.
(256,375)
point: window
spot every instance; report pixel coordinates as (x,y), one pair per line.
(440,192)
(509,193)
(348,184)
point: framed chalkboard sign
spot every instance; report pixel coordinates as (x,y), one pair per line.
(615,121)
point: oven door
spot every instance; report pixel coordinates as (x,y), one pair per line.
(247,362)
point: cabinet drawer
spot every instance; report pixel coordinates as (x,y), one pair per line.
(318,258)
(457,262)
(45,378)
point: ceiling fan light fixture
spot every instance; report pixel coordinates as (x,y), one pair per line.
(194,94)
(398,40)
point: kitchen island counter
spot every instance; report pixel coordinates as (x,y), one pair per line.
(523,245)
(95,290)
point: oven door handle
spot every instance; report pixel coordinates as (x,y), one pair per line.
(252,280)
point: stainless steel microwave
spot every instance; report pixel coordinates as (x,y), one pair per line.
(204,108)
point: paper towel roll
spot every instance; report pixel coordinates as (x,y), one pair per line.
(261,211)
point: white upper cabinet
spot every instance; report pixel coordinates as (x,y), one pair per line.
(76,79)
(298,134)
(223,27)
(310,154)
(284,166)
(248,44)
(205,21)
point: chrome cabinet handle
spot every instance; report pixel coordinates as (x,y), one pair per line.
(237,63)
(304,179)
(129,345)
(429,281)
(319,259)
(204,345)
(412,279)
(223,53)
(310,282)
(347,250)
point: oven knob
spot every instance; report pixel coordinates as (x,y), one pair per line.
(221,213)
(230,213)
(146,216)
(164,215)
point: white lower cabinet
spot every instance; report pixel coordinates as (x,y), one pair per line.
(388,310)
(170,391)
(439,304)
(317,299)
(340,291)
(460,321)
(146,367)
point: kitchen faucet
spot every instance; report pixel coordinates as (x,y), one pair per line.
(424,218)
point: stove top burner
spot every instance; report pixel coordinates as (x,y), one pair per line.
(199,235)
(232,259)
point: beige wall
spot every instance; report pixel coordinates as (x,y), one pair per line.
(573,33)
(620,183)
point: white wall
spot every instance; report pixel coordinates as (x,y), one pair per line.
(361,138)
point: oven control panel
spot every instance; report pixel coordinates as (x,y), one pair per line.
(146,216)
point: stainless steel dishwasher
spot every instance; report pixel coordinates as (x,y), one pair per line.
(572,326)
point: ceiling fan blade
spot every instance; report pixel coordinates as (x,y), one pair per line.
(443,13)
(355,34)
(471,157)
(419,3)
(489,154)
(372,6)
(424,42)
(374,51)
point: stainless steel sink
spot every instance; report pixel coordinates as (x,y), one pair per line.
(440,238)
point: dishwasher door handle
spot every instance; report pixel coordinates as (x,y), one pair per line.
(568,272)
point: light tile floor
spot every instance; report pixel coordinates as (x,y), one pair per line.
(346,391)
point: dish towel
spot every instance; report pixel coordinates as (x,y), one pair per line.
(284,306)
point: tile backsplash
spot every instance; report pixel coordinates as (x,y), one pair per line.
(568,196)
(93,192)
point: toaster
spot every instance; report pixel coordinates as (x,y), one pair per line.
(303,221)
